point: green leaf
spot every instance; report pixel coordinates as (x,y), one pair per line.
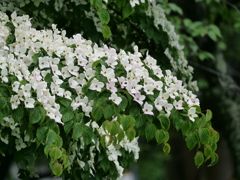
(87,135)
(191,140)
(165,122)
(36,114)
(56,168)
(120,135)
(186,127)
(160,136)
(1,118)
(48,78)
(3,102)
(134,111)
(178,124)
(47,149)
(42,133)
(141,120)
(35,58)
(126,121)
(55,153)
(105,165)
(108,111)
(97,3)
(96,63)
(65,102)
(215,136)
(204,135)
(79,117)
(121,3)
(214,147)
(77,130)
(198,159)
(131,133)
(166,148)
(208,115)
(207,151)
(111,126)
(127,10)
(175,8)
(106,31)
(18,113)
(101,100)
(123,103)
(65,161)
(67,116)
(51,137)
(97,113)
(150,131)
(214,159)
(68,126)
(103,16)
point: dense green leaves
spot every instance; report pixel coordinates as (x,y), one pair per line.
(67,116)
(87,135)
(150,131)
(36,114)
(204,135)
(77,130)
(165,122)
(127,11)
(108,111)
(191,140)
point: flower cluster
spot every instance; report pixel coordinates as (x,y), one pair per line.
(45,66)
(180,63)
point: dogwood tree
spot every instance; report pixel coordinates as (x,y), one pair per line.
(83,105)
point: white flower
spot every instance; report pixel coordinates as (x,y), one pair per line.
(14,101)
(29,103)
(96,85)
(149,89)
(44,62)
(26,90)
(147,109)
(73,69)
(15,86)
(139,98)
(178,104)
(115,98)
(159,103)
(4,74)
(20,144)
(111,86)
(89,73)
(65,73)
(192,113)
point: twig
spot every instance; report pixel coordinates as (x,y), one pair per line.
(232,5)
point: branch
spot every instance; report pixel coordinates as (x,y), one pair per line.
(232,5)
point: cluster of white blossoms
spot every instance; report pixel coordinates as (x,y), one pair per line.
(154,10)
(34,55)
(21,140)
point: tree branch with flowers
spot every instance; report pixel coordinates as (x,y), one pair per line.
(84,106)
